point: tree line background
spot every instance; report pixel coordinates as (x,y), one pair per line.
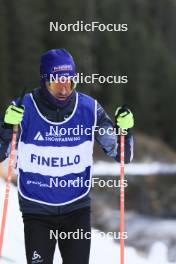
(146,53)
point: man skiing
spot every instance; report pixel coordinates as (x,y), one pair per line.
(47,158)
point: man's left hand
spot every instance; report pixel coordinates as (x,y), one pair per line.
(124,118)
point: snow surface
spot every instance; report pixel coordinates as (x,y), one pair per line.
(102,250)
(103,168)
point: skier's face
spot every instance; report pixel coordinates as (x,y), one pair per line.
(60,89)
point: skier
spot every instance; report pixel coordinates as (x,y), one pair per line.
(47,158)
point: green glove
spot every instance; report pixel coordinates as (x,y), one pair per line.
(14,115)
(124,118)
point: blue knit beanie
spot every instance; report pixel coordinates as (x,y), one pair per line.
(57,62)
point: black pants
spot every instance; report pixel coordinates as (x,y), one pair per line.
(43,232)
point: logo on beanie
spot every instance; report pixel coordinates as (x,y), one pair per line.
(65,67)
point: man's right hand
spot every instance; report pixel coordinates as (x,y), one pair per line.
(14,115)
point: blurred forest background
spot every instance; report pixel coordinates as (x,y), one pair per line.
(146,54)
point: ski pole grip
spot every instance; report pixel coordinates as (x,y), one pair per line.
(125,108)
(15,129)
